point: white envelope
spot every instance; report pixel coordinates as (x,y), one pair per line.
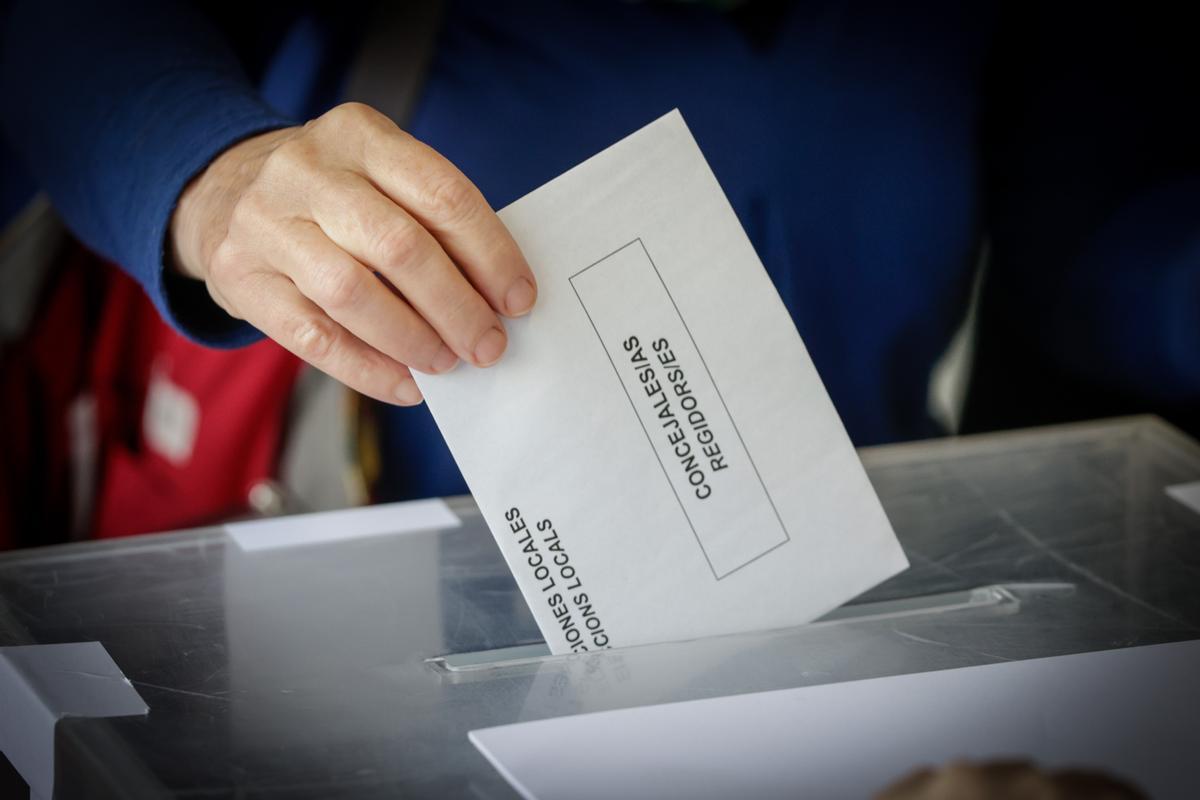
(655,453)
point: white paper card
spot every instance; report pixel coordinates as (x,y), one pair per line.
(655,454)
(1127,712)
(337,526)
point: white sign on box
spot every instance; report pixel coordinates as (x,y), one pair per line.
(655,454)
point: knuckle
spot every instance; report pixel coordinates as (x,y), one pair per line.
(350,116)
(248,212)
(369,369)
(339,288)
(449,199)
(226,279)
(230,270)
(225,263)
(296,156)
(399,245)
(312,338)
(350,112)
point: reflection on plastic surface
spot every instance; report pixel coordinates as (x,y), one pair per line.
(306,673)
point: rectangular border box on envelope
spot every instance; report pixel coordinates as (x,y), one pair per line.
(739,524)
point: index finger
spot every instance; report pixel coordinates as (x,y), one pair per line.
(442,199)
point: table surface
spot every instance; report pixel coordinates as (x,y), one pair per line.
(314,671)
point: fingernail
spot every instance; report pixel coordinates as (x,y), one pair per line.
(489,347)
(444,360)
(520,298)
(407,393)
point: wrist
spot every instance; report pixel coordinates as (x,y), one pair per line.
(200,220)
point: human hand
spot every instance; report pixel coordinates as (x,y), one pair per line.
(1007,780)
(356,247)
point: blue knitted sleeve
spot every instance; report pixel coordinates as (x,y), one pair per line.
(115,107)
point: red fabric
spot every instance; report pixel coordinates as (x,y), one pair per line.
(242,400)
(98,345)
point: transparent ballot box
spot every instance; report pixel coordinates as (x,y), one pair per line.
(357,668)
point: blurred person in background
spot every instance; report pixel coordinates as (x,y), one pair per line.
(876,155)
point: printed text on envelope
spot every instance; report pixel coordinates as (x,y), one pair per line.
(680,408)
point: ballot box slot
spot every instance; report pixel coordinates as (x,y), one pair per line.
(1003,598)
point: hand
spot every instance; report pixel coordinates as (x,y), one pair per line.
(356,247)
(1007,780)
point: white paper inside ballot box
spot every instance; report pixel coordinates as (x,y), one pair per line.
(680,408)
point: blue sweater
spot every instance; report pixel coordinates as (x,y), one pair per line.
(846,134)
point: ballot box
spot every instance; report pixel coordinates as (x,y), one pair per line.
(356,665)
